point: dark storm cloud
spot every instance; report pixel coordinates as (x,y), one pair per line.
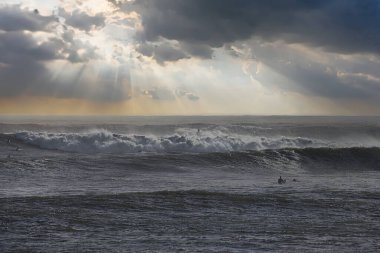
(21,55)
(197,50)
(20,47)
(350,27)
(82,20)
(345,26)
(14,18)
(162,52)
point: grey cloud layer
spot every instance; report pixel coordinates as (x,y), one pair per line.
(332,27)
(13,18)
(82,20)
(181,29)
(345,26)
(333,76)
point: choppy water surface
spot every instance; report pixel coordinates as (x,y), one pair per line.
(190,184)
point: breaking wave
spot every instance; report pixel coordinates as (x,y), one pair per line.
(184,142)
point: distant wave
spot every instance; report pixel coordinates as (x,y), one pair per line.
(184,142)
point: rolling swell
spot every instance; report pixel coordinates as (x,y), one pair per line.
(180,198)
(357,158)
(193,220)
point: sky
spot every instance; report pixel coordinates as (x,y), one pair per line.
(190,57)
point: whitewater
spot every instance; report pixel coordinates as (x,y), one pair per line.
(190,184)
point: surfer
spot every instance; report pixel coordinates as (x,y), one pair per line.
(9,141)
(281,181)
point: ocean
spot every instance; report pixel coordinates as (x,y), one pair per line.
(189,184)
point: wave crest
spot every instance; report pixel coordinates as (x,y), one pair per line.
(188,142)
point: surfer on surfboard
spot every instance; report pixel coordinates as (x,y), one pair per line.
(281,181)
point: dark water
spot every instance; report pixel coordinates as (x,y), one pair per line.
(190,184)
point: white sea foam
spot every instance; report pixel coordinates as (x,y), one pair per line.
(182,141)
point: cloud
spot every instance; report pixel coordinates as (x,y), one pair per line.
(162,52)
(15,18)
(344,26)
(39,58)
(330,28)
(314,72)
(21,47)
(77,50)
(170,51)
(326,48)
(82,20)
(34,78)
(189,95)
(158,93)
(22,55)
(165,94)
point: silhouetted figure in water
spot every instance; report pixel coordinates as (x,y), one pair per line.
(17,148)
(281,181)
(295,180)
(199,131)
(9,141)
